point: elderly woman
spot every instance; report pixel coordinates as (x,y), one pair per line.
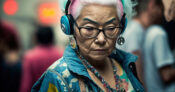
(92,64)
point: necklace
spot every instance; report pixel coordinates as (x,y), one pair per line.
(118,81)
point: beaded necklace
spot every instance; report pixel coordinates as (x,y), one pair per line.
(118,81)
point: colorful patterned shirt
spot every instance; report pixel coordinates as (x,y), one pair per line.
(126,82)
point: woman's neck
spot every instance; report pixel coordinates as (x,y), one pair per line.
(100,66)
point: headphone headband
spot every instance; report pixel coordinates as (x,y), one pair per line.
(67,6)
(123,22)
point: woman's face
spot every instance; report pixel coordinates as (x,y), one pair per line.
(97,16)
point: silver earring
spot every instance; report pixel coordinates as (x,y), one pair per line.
(121,40)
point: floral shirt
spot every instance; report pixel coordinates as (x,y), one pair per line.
(126,82)
(62,76)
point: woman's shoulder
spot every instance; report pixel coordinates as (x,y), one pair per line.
(56,77)
(58,65)
(60,68)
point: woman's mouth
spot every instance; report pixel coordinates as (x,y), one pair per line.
(100,51)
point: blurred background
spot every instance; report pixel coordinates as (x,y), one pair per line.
(25,53)
(22,39)
(26,15)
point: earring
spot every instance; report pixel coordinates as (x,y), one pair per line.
(120,40)
(72,42)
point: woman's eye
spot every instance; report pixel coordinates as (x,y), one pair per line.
(89,28)
(110,28)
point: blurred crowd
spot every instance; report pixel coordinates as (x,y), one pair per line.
(149,35)
(20,72)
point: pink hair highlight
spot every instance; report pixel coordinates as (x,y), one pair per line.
(119,8)
(73,7)
(76,6)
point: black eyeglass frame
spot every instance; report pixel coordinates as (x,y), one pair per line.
(99,30)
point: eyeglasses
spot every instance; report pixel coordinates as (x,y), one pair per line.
(93,32)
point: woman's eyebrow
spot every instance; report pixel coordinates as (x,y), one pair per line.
(92,21)
(110,21)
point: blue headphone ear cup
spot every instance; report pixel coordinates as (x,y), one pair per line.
(65,25)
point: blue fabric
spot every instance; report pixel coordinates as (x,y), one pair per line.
(63,73)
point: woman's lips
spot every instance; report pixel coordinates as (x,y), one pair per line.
(100,51)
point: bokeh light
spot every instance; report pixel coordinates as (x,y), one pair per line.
(48,13)
(10,7)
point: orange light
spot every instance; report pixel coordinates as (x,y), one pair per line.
(10,7)
(49,13)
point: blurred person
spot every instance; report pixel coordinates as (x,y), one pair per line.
(91,63)
(37,60)
(159,74)
(158,61)
(148,12)
(10,61)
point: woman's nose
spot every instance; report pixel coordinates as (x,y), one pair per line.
(101,39)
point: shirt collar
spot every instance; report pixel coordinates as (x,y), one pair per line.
(123,58)
(74,63)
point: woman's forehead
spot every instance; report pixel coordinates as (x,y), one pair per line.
(98,12)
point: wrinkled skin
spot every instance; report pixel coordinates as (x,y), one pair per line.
(96,50)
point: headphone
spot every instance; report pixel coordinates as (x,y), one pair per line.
(67,21)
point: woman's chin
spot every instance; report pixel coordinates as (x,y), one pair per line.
(98,57)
